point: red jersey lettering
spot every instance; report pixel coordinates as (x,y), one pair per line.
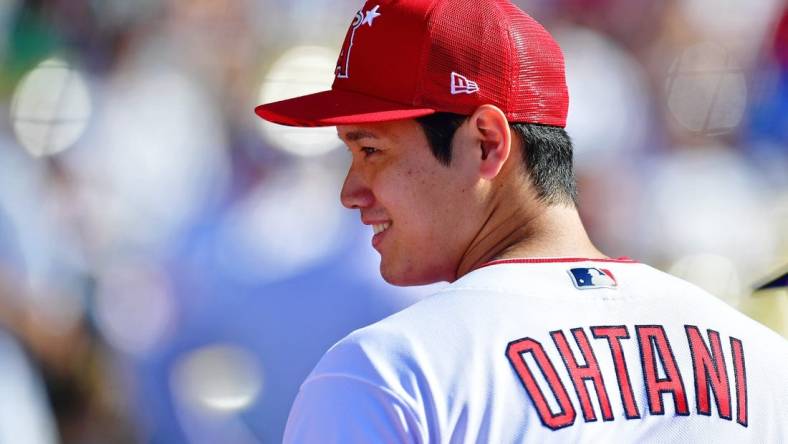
(737,349)
(710,371)
(514,352)
(582,373)
(614,335)
(654,346)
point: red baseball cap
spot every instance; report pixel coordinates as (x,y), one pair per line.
(410,58)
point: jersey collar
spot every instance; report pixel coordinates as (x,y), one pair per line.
(548,260)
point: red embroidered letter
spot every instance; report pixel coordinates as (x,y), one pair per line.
(581,373)
(614,335)
(654,344)
(514,352)
(709,371)
(740,374)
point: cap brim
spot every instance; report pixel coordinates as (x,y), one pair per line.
(336,107)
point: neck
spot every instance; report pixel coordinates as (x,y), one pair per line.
(545,231)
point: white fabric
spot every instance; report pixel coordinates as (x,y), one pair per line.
(25,416)
(438,371)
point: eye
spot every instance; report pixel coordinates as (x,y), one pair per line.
(368,150)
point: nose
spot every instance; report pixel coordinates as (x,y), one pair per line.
(355,191)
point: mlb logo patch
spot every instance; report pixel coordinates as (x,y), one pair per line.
(590,278)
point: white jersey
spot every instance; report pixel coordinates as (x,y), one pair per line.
(552,350)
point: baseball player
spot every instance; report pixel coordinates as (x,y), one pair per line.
(453,111)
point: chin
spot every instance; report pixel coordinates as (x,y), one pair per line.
(400,281)
(409,276)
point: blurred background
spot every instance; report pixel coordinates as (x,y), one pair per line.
(171,267)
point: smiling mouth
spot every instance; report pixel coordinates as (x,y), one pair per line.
(379,228)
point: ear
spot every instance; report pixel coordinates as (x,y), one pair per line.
(494,136)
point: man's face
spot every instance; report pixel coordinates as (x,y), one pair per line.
(428,210)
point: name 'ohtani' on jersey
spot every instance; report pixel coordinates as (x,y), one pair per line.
(662,380)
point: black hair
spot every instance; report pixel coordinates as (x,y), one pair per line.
(546,156)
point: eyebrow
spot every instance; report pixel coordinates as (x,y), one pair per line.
(353,136)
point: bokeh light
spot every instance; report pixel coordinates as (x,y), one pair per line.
(51,107)
(134,309)
(706,90)
(220,377)
(300,70)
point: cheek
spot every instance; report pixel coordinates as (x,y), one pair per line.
(418,185)
(419,199)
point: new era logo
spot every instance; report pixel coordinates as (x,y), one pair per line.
(461,85)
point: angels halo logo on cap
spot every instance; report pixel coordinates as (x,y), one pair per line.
(362,18)
(409,58)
